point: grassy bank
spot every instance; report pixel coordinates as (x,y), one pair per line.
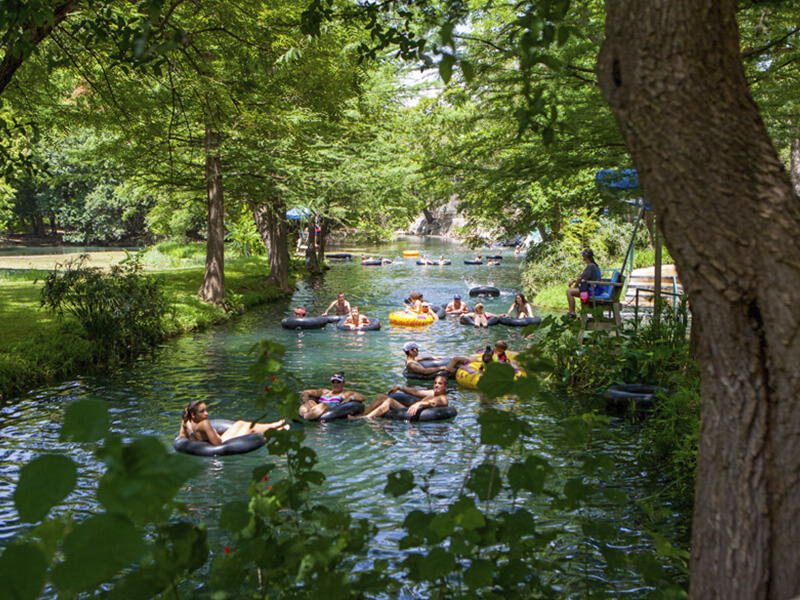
(37,347)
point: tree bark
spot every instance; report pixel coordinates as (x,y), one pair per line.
(794,165)
(278,249)
(213,288)
(672,72)
(322,239)
(261,219)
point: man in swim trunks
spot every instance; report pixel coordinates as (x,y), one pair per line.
(342,306)
(355,320)
(427,399)
(456,306)
(412,361)
(315,402)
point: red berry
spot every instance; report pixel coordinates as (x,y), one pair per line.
(227,550)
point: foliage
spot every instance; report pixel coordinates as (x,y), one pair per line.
(122,310)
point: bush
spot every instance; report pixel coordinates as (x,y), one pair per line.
(122,310)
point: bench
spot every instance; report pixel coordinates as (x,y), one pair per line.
(604,295)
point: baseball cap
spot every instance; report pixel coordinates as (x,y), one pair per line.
(299,312)
(337,377)
(456,296)
(409,346)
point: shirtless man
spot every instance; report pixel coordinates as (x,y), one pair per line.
(427,399)
(412,361)
(342,306)
(315,402)
(355,320)
(456,306)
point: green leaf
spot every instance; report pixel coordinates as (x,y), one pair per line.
(497,379)
(442,525)
(399,483)
(529,475)
(439,563)
(22,571)
(235,515)
(576,491)
(467,69)
(485,481)
(615,495)
(446,67)
(43,483)
(85,421)
(499,428)
(479,574)
(95,551)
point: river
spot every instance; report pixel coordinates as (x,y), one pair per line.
(148,397)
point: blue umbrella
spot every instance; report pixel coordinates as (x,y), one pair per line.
(299,213)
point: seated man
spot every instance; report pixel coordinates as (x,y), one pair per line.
(355,320)
(456,306)
(427,399)
(342,306)
(315,402)
(412,361)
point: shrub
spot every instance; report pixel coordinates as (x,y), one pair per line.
(122,310)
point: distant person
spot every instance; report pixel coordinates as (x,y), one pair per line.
(456,306)
(386,261)
(355,320)
(299,312)
(315,402)
(521,308)
(517,251)
(425,310)
(341,305)
(427,399)
(196,427)
(591,272)
(479,316)
(492,263)
(424,260)
(412,361)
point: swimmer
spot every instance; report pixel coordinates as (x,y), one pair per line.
(427,399)
(492,263)
(341,305)
(521,308)
(315,402)
(456,306)
(425,261)
(355,320)
(196,427)
(412,361)
(480,317)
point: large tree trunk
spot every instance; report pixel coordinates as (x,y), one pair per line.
(261,218)
(278,248)
(672,73)
(213,288)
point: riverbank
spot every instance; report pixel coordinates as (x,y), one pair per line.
(38,347)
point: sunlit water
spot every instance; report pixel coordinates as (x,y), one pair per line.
(148,397)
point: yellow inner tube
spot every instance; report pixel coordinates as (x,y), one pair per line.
(469,375)
(410,252)
(405,317)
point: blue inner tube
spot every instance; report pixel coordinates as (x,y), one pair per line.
(484,290)
(371,263)
(304,322)
(511,322)
(473,262)
(494,256)
(342,410)
(341,255)
(465,320)
(643,395)
(374,325)
(237,445)
(427,364)
(436,413)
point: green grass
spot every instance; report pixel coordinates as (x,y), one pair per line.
(38,347)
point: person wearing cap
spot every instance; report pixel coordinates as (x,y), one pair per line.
(342,306)
(315,402)
(412,361)
(590,273)
(480,317)
(383,403)
(456,306)
(355,319)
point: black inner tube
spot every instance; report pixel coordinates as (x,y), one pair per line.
(304,322)
(237,445)
(512,322)
(484,290)
(342,410)
(427,364)
(404,399)
(435,413)
(473,262)
(641,394)
(494,256)
(465,320)
(371,263)
(374,325)
(340,255)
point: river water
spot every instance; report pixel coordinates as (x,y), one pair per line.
(148,397)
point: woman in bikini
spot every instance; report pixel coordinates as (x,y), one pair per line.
(315,402)
(196,427)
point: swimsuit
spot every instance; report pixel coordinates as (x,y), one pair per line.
(331,400)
